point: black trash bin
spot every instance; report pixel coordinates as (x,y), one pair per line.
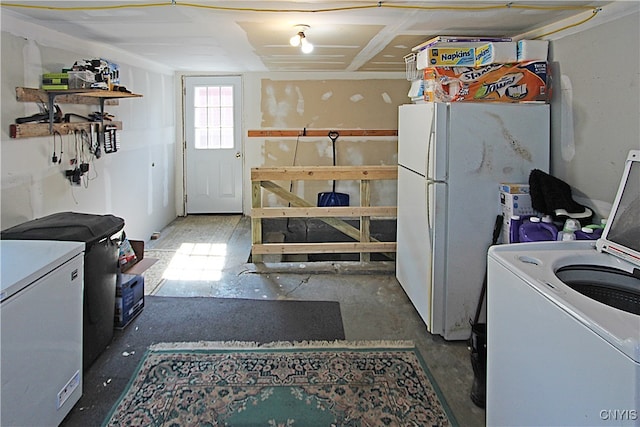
(102,235)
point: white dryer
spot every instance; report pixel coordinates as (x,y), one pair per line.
(563,325)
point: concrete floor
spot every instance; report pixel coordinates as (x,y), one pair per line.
(373,304)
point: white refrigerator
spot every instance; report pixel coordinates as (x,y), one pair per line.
(451,160)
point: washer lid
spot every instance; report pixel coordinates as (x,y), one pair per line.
(621,236)
(22,262)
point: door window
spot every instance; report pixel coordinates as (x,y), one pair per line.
(213,117)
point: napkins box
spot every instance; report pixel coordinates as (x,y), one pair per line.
(532,50)
(495,53)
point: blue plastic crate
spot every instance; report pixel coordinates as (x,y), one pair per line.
(129,299)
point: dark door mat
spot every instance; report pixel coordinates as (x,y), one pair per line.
(178,319)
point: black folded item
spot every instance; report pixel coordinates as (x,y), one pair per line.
(42,117)
(552,196)
(67,117)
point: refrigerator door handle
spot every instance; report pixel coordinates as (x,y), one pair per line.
(432,133)
(430,182)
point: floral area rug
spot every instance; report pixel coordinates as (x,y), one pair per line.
(340,383)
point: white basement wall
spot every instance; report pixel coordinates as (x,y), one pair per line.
(598,72)
(137,183)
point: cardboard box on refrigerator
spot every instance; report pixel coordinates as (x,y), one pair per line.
(448,55)
(495,53)
(466,54)
(516,82)
(532,50)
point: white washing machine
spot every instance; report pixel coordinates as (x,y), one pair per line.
(563,325)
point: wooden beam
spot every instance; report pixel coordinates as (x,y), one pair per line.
(256,223)
(296,201)
(320,173)
(365,219)
(292,133)
(26,94)
(322,248)
(327,212)
(27,130)
(340,225)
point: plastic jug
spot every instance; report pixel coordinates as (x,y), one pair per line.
(587,233)
(569,230)
(534,230)
(514,228)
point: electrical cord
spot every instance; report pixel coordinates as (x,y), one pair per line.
(87,165)
(377,5)
(54,158)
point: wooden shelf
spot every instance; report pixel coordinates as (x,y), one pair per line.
(30,130)
(27,94)
(66,96)
(93,93)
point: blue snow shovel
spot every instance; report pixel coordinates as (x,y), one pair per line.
(332,198)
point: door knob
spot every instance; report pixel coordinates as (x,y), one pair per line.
(238,155)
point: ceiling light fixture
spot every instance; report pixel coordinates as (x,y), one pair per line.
(301,40)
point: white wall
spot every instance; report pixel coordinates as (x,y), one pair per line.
(136,183)
(256,150)
(597,72)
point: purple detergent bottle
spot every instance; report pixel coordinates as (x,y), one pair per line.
(587,233)
(534,230)
(514,228)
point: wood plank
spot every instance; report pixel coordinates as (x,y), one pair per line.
(256,223)
(26,94)
(293,133)
(319,173)
(323,248)
(365,220)
(27,130)
(340,225)
(334,212)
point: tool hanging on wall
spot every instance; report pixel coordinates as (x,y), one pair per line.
(42,116)
(98,116)
(74,174)
(95,141)
(67,117)
(84,161)
(110,137)
(55,159)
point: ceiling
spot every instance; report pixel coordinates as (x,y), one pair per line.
(245,36)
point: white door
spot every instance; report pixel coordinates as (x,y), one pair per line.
(415,123)
(213,133)
(413,256)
